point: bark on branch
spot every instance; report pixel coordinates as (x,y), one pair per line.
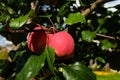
(93,6)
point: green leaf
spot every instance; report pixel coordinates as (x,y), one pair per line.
(63,9)
(103,31)
(50,56)
(10,10)
(101,21)
(32,66)
(18,22)
(24,43)
(100,59)
(75,18)
(88,36)
(2,6)
(4,18)
(78,71)
(50,61)
(105,44)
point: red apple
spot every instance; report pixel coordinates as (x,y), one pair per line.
(63,44)
(37,40)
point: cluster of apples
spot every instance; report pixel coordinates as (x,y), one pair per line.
(62,42)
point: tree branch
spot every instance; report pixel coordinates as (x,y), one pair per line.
(35,5)
(93,6)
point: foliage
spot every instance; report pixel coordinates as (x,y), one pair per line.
(78,71)
(3,53)
(96,34)
(108,76)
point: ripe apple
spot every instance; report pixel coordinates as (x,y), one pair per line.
(63,44)
(37,40)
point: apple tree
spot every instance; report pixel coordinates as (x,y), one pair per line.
(72,38)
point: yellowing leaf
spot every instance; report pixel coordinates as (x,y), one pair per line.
(103,73)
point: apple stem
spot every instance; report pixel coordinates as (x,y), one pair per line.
(51,30)
(52,23)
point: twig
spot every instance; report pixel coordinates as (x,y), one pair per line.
(50,20)
(19,31)
(105,36)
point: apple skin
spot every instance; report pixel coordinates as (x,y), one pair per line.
(37,40)
(63,44)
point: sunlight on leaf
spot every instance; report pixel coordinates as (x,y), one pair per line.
(19,22)
(88,36)
(32,66)
(10,10)
(103,73)
(78,71)
(75,18)
(105,44)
